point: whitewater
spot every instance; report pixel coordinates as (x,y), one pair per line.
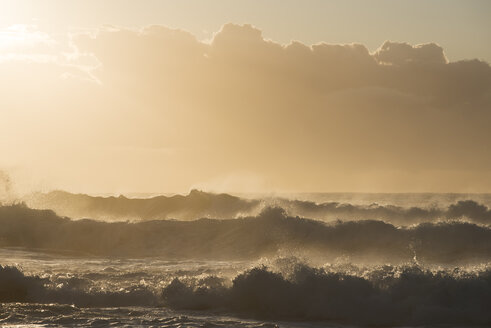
(220,260)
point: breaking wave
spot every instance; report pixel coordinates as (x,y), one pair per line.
(193,206)
(200,204)
(287,289)
(17,287)
(383,296)
(467,210)
(270,233)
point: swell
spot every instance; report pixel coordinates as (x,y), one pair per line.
(290,290)
(200,204)
(269,233)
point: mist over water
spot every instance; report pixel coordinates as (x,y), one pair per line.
(216,259)
(248,106)
(399,209)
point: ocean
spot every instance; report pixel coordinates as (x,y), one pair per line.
(219,260)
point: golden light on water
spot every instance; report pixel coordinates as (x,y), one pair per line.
(245,163)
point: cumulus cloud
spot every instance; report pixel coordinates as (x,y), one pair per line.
(324,67)
(243,103)
(396,53)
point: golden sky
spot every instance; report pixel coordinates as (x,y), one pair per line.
(161,96)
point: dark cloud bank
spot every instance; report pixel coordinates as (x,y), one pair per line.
(240,52)
(306,118)
(306,112)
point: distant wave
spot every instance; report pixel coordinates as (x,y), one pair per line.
(269,233)
(200,204)
(468,210)
(193,206)
(290,290)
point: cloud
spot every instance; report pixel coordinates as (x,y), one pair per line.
(396,53)
(422,70)
(241,103)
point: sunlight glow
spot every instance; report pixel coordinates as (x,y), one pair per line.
(22,36)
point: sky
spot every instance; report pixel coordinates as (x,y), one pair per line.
(246,96)
(460,27)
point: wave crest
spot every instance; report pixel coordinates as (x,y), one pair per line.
(386,296)
(200,204)
(15,286)
(288,289)
(269,233)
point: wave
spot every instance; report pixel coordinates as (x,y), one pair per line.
(200,204)
(288,289)
(195,205)
(269,233)
(467,210)
(15,286)
(386,296)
